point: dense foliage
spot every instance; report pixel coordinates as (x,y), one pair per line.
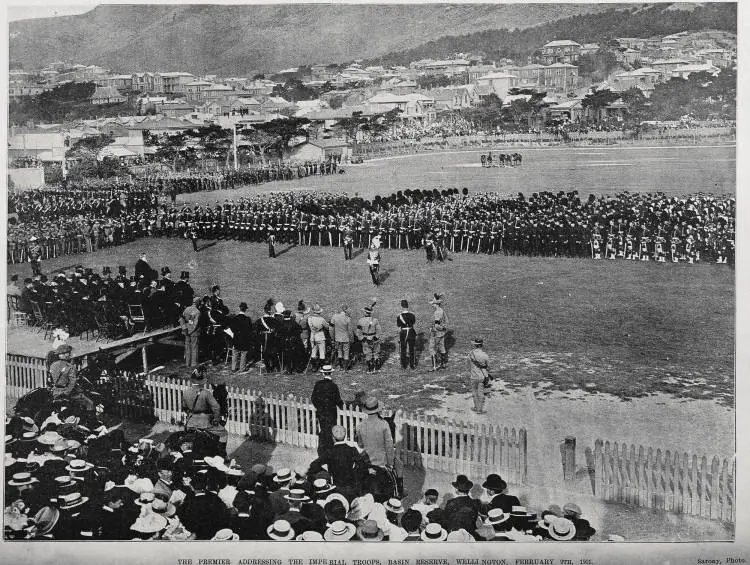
(519,44)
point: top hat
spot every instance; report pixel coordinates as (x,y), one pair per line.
(165,271)
(302,307)
(185,275)
(462,483)
(121,269)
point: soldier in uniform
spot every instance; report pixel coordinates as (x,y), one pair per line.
(271,239)
(35,256)
(318,328)
(407,336)
(348,242)
(192,233)
(266,327)
(368,333)
(373,260)
(438,329)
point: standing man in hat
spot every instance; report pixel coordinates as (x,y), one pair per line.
(242,339)
(478,372)
(192,234)
(326,398)
(374,436)
(438,329)
(368,333)
(318,328)
(271,239)
(373,260)
(301,317)
(189,322)
(407,335)
(200,407)
(342,335)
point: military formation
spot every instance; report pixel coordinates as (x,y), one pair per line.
(636,226)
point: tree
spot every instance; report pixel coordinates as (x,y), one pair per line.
(638,107)
(89,147)
(596,101)
(259,76)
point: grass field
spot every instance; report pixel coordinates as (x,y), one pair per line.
(599,170)
(623,328)
(620,350)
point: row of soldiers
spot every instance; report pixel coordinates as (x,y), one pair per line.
(701,226)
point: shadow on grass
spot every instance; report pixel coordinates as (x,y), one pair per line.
(206,246)
(287,250)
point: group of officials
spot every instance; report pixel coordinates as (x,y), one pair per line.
(307,338)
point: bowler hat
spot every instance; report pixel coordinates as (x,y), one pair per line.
(495,482)
(462,483)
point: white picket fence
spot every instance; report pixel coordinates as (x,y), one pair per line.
(421,441)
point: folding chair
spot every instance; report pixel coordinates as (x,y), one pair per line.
(136,314)
(19,318)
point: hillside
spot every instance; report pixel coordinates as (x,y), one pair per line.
(640,21)
(241,39)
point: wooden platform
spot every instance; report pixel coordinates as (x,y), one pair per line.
(27,341)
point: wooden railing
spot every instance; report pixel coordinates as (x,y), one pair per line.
(671,481)
(421,441)
(23,374)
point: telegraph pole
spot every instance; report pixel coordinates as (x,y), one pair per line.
(234,148)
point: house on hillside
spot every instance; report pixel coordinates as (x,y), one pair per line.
(413,106)
(107,95)
(561,51)
(194,90)
(320,150)
(498,83)
(451,98)
(644,79)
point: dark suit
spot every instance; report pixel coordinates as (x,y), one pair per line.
(204,515)
(462,512)
(296,519)
(505,502)
(143,268)
(584,531)
(346,467)
(326,398)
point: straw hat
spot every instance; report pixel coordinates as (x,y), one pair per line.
(322,486)
(336,496)
(297,495)
(283,475)
(225,534)
(280,530)
(370,531)
(460,535)
(46,519)
(149,523)
(434,532)
(309,535)
(49,438)
(340,531)
(78,466)
(22,479)
(496,516)
(72,500)
(561,529)
(394,505)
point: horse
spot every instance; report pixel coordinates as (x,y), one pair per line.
(483,158)
(517,159)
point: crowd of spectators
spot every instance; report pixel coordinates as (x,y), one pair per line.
(73,478)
